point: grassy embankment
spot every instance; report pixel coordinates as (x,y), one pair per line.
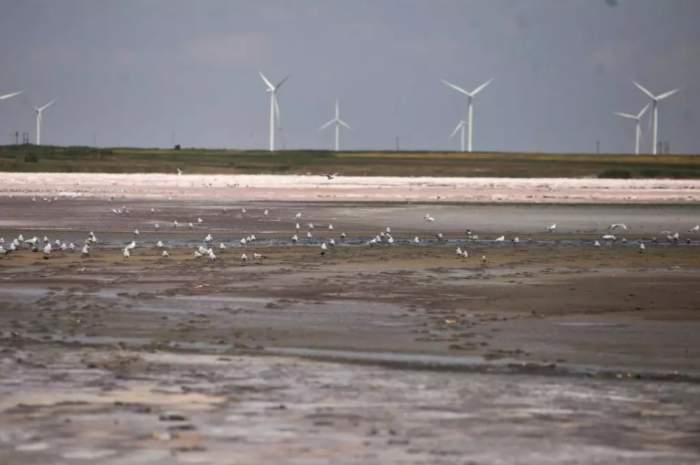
(134,160)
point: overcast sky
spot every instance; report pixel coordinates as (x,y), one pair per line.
(154,72)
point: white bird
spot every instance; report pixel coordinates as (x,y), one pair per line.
(337,122)
(516,240)
(71,247)
(199,220)
(311,226)
(298,215)
(136,232)
(179,172)
(596,243)
(244,258)
(126,252)
(428,218)
(609,237)
(92,238)
(551,228)
(458,251)
(500,238)
(197,254)
(132,245)
(157,226)
(274,106)
(85,251)
(416,240)
(331,242)
(165,254)
(208,238)
(330,227)
(257,256)
(295,238)
(390,240)
(175,224)
(222,246)
(298,226)
(483,259)
(618,225)
(324,247)
(2,250)
(642,247)
(470,106)
(388,229)
(695,228)
(243,241)
(308,235)
(190,225)
(47,250)
(332,176)
(160,244)
(343,236)
(266,212)
(211,256)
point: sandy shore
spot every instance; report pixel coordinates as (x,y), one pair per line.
(365,189)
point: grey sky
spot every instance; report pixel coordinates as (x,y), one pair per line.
(133,72)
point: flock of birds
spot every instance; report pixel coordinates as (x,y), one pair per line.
(209,250)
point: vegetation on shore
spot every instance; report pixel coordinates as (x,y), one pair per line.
(30,158)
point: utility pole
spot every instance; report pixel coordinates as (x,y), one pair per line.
(397,143)
(16,137)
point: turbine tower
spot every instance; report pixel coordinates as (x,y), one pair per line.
(462,125)
(470,107)
(638,127)
(39,114)
(274,106)
(655,99)
(338,123)
(6,96)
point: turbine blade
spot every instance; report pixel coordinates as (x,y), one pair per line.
(625,115)
(644,110)
(481,87)
(667,94)
(6,96)
(267,81)
(459,125)
(455,87)
(47,105)
(279,84)
(277,108)
(344,124)
(325,125)
(641,87)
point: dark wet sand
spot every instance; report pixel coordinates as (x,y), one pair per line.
(553,351)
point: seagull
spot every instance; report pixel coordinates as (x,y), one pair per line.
(331,242)
(85,251)
(483,259)
(136,232)
(642,247)
(199,220)
(331,176)
(132,245)
(126,253)
(295,238)
(266,212)
(257,256)
(243,241)
(388,230)
(330,227)
(551,228)
(308,235)
(179,172)
(71,247)
(92,238)
(343,236)
(243,210)
(458,251)
(609,237)
(165,254)
(160,244)
(500,238)
(695,228)
(416,240)
(618,225)
(222,246)
(428,218)
(298,215)
(210,255)
(190,225)
(47,251)
(324,247)
(390,240)
(197,254)
(2,250)
(157,226)
(311,226)
(516,240)
(439,236)
(208,238)
(596,243)
(244,258)
(298,226)
(175,224)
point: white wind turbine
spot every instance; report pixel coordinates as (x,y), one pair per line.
(274,106)
(638,127)
(6,96)
(655,99)
(338,123)
(39,115)
(470,107)
(462,125)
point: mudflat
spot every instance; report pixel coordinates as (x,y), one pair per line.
(544,349)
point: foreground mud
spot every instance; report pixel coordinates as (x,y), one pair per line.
(549,350)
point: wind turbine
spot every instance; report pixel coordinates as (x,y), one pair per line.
(462,125)
(655,99)
(274,106)
(470,107)
(39,114)
(638,128)
(338,123)
(6,96)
